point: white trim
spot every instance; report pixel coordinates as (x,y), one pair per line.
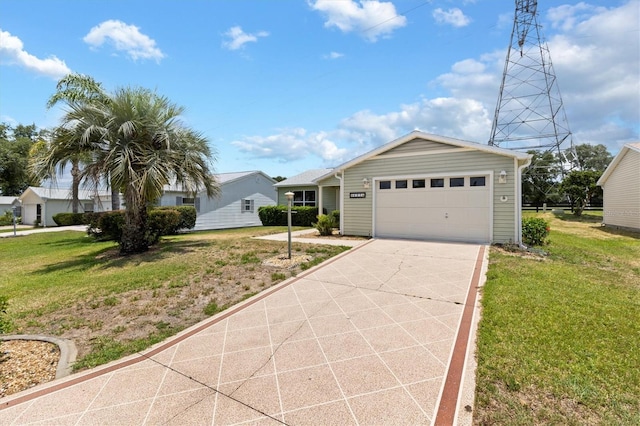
(490,184)
(518,201)
(340,207)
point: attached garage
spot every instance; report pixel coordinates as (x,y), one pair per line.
(453,208)
(430,187)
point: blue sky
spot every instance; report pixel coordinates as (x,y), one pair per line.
(287,85)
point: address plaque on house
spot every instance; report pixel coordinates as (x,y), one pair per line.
(357,195)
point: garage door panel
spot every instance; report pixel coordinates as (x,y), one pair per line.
(455,214)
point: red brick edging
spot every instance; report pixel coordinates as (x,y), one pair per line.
(446,413)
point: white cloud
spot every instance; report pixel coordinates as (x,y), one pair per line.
(238,38)
(123,37)
(333,55)
(452,16)
(12,52)
(292,144)
(370,18)
(567,16)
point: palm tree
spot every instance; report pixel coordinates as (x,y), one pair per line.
(138,141)
(65,145)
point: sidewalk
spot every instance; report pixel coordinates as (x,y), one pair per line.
(30,230)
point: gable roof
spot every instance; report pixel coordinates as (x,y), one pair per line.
(417,134)
(222,178)
(7,199)
(632,146)
(60,194)
(306,178)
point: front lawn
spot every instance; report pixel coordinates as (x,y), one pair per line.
(65,284)
(559,338)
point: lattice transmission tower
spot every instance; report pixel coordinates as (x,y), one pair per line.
(529,113)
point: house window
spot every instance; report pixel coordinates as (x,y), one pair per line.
(304,198)
(401,184)
(437,183)
(477,181)
(418,183)
(88,207)
(385,184)
(456,182)
(246,206)
(189,201)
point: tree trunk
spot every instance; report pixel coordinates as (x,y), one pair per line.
(75,186)
(115,197)
(134,230)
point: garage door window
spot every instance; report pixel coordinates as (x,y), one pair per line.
(385,184)
(456,182)
(401,184)
(477,181)
(437,183)
(418,183)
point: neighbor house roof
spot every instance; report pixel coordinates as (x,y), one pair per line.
(417,134)
(60,194)
(6,199)
(306,178)
(632,146)
(222,179)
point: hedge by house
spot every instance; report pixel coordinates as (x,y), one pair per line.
(68,219)
(277,215)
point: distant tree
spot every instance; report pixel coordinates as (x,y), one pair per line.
(15,144)
(278,178)
(541,179)
(580,187)
(590,157)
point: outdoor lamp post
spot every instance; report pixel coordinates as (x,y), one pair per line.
(289,196)
(13,209)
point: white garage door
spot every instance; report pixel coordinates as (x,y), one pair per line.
(455,208)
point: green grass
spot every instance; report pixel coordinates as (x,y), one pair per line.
(559,339)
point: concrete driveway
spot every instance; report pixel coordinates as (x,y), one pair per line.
(382,334)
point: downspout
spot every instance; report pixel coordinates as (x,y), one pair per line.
(519,198)
(43,217)
(341,201)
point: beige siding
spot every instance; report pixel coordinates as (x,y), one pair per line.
(622,193)
(417,145)
(329,198)
(358,212)
(330,181)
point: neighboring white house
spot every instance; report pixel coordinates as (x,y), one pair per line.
(424,186)
(39,205)
(620,184)
(8,203)
(241,194)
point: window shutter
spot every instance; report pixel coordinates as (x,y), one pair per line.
(178,201)
(197,204)
(251,206)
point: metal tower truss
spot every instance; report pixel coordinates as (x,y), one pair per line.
(529,113)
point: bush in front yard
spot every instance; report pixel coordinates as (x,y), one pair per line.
(68,219)
(162,222)
(325,225)
(277,215)
(188,216)
(106,226)
(534,231)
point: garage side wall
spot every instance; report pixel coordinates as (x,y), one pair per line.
(622,193)
(358,212)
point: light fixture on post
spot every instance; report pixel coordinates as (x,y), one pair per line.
(289,196)
(365,183)
(503,177)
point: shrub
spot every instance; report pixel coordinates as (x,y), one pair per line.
(106,226)
(68,219)
(335,214)
(325,225)
(277,215)
(7,218)
(534,231)
(162,222)
(188,216)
